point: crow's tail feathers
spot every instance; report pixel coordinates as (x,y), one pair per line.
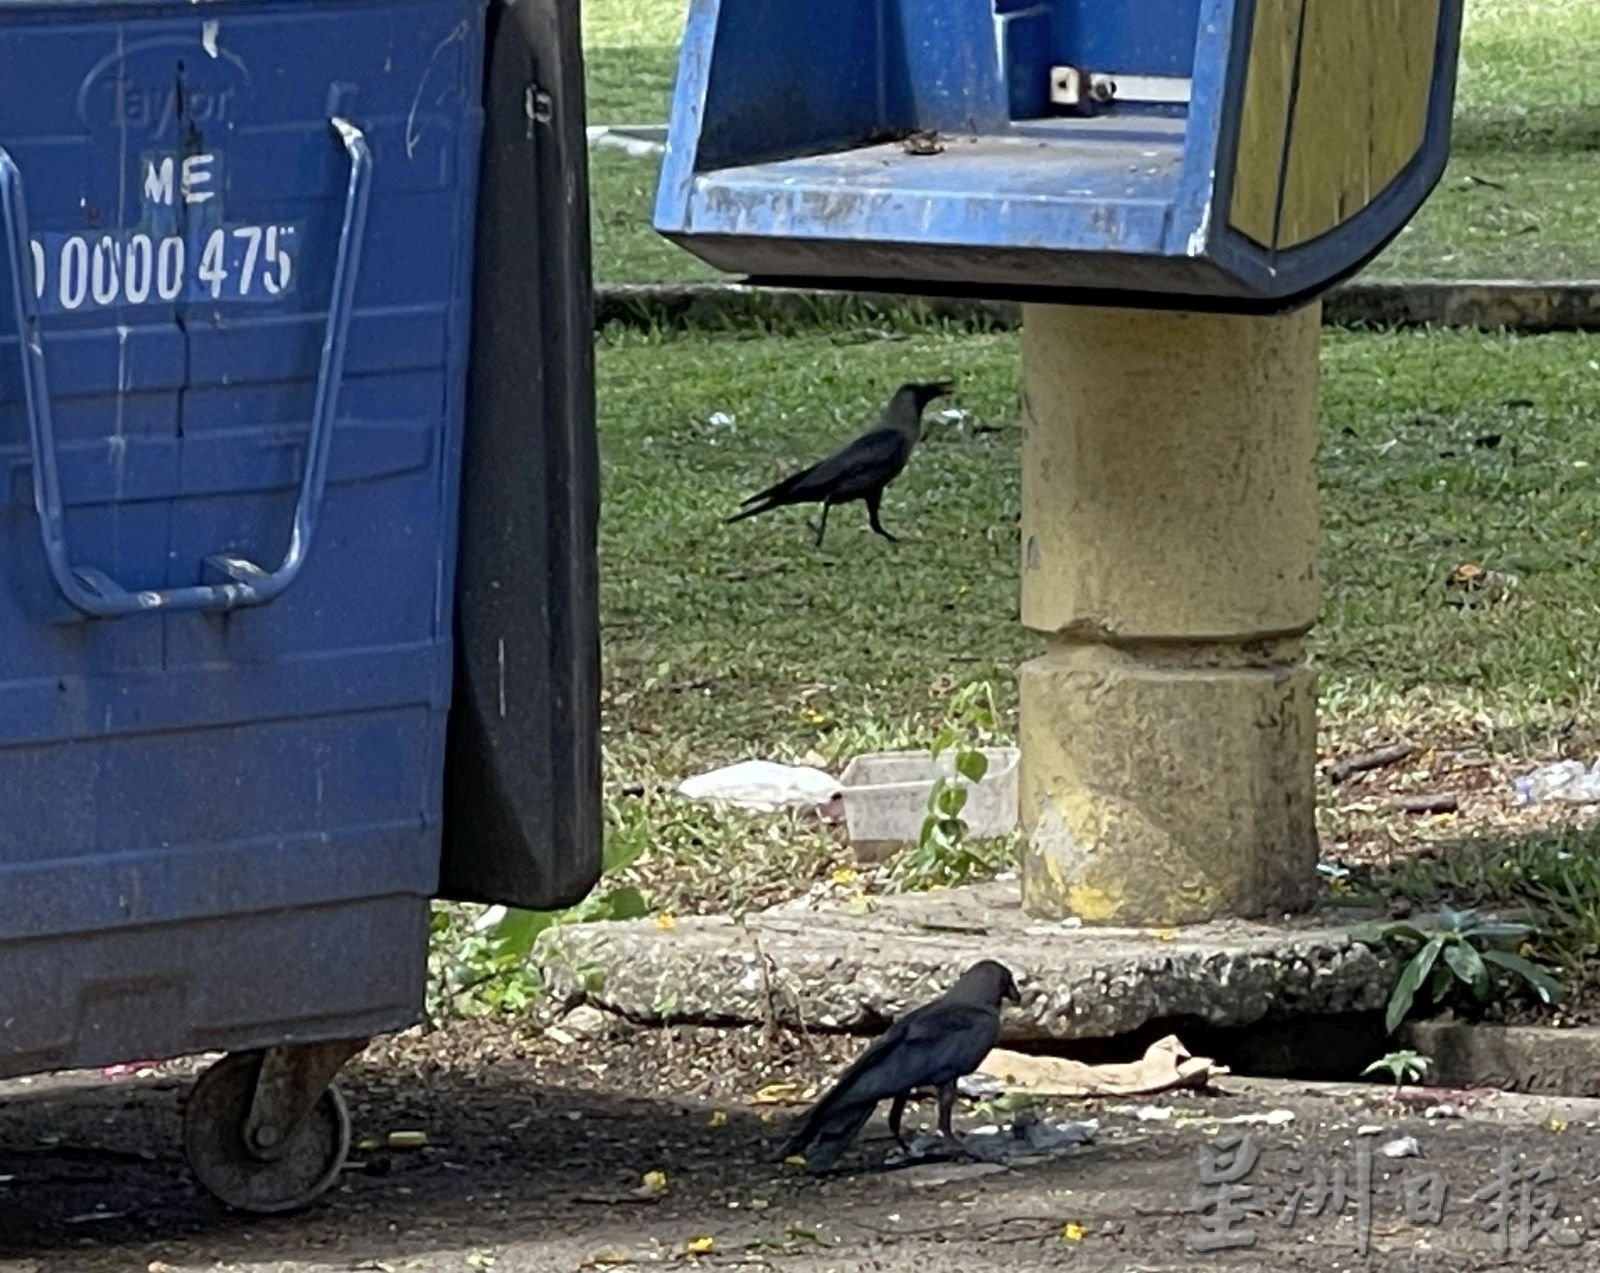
(792,490)
(826,1134)
(765,507)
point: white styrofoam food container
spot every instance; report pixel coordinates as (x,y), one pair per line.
(886,797)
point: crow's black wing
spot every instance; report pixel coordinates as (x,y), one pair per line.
(941,1043)
(867,463)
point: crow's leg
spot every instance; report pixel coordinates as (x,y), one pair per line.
(947,1104)
(897,1112)
(822,527)
(874,501)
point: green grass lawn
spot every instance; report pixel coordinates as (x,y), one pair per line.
(1439,449)
(1527,121)
(1526,75)
(631,49)
(725,642)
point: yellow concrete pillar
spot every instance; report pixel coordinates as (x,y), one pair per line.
(1169,543)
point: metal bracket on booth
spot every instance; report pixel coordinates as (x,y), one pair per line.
(1074,86)
(248,584)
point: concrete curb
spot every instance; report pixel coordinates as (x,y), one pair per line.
(1533,1059)
(829,966)
(1515,305)
(632,139)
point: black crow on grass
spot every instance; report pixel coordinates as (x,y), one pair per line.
(862,469)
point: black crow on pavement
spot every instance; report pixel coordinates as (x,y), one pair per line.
(931,1046)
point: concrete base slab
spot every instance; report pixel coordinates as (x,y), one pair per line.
(1539,1059)
(832,965)
(1487,304)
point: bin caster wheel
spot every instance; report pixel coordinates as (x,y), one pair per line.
(213,1140)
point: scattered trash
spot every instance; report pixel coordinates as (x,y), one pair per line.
(1268,1118)
(1145,1113)
(1043,1137)
(96,1216)
(1442,1111)
(720,420)
(1426,803)
(1370,1129)
(130,1069)
(489,919)
(1470,584)
(1568,781)
(637,140)
(981,1086)
(1029,1138)
(1054,927)
(584,1022)
(1403,1147)
(885,797)
(961,421)
(1166,1065)
(408,1140)
(1333,870)
(766,786)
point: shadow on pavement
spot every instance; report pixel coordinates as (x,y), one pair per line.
(92,1172)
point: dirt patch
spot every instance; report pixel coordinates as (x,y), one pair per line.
(536,1148)
(1365,819)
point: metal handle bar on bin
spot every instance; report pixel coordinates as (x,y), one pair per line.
(90,590)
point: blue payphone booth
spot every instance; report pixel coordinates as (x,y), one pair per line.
(1234,153)
(298,494)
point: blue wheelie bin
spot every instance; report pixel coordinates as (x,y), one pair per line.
(298,492)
